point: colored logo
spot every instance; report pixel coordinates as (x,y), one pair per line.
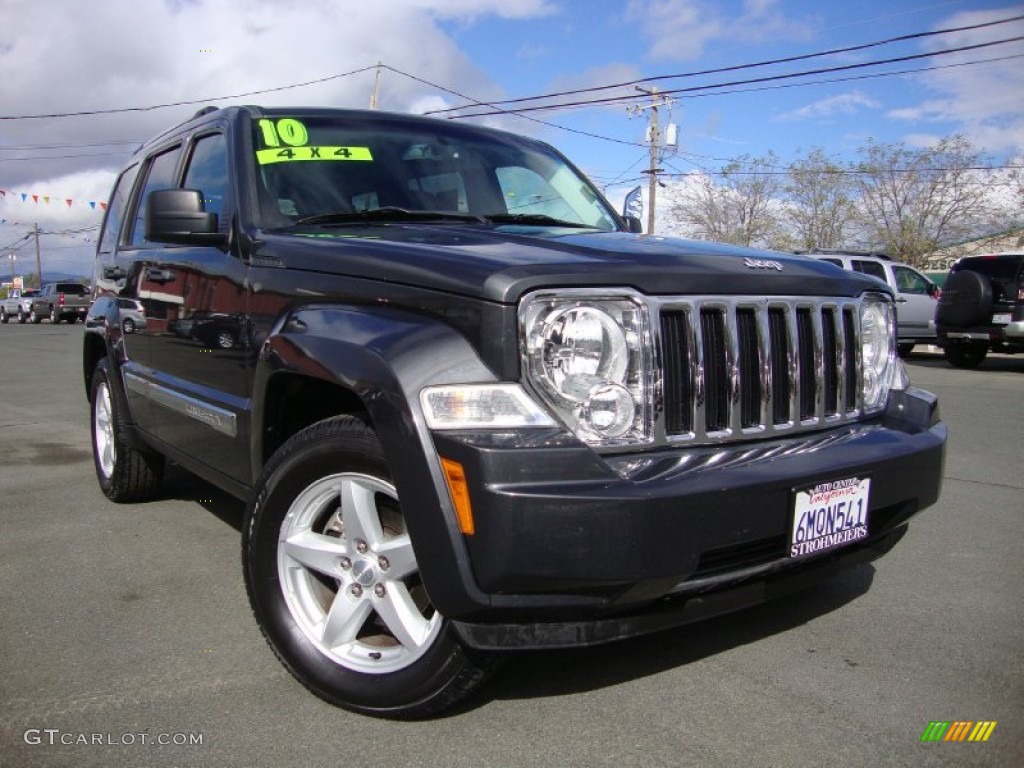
(958,730)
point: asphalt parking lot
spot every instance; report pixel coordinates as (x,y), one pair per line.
(131,624)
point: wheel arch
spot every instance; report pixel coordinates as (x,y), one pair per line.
(371,363)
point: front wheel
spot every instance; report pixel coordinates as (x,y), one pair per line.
(54,317)
(124,472)
(965,355)
(34,316)
(22,317)
(334,583)
(4,317)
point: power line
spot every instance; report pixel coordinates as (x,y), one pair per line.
(765,79)
(190,101)
(738,67)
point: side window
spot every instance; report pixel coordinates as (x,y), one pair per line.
(870,268)
(116,208)
(909,281)
(837,262)
(208,172)
(160,175)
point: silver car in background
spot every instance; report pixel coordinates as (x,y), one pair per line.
(916,295)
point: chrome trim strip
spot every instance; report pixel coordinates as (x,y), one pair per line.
(221,420)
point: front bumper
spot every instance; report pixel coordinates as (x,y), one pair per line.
(564,535)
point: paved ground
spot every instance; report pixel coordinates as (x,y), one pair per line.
(124,621)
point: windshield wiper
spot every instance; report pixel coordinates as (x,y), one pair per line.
(538,219)
(388,213)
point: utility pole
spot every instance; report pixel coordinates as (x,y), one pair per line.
(39,261)
(654,139)
(376,88)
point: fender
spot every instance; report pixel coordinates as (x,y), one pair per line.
(385,357)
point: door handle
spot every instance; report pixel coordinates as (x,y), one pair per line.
(159,275)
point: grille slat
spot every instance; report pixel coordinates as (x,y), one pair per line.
(733,368)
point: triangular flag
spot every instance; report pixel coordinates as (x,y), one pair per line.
(46,199)
(68,201)
(35,199)
(92,204)
(103,206)
(2,193)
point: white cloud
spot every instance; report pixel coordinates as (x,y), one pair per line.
(983,101)
(680,30)
(841,104)
(65,56)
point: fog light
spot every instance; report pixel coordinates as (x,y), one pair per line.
(610,410)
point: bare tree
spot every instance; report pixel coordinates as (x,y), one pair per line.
(913,200)
(820,202)
(739,210)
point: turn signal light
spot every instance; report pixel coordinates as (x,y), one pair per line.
(458,489)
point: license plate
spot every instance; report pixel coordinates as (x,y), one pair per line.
(1001,319)
(829,515)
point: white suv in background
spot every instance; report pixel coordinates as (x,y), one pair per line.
(916,295)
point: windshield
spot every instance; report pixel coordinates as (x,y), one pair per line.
(327,167)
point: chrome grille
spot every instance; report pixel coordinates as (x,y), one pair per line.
(734,368)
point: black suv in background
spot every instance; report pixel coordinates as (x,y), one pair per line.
(982,308)
(470,409)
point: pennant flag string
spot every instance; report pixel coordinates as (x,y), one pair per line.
(69,201)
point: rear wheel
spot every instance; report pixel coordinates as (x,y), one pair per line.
(4,317)
(334,583)
(965,355)
(22,317)
(54,317)
(34,316)
(125,473)
(128,325)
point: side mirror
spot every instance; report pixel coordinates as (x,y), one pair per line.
(634,225)
(178,216)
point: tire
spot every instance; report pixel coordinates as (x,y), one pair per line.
(125,473)
(128,325)
(390,654)
(965,355)
(22,317)
(905,348)
(4,317)
(54,317)
(225,340)
(34,317)
(966,300)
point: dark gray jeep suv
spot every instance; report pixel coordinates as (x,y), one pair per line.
(470,409)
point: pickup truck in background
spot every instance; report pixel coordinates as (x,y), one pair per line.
(60,301)
(17,304)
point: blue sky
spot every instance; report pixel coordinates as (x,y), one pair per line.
(59,56)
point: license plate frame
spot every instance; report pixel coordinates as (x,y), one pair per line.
(829,515)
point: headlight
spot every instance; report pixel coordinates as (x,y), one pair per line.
(881,367)
(585,355)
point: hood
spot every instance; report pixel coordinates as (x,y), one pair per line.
(500,264)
